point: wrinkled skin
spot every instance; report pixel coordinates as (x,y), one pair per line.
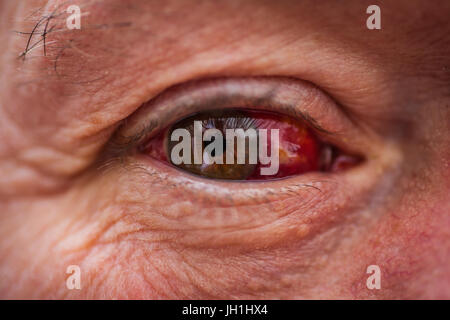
(136,236)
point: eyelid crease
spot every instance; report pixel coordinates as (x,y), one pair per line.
(292,97)
(127,142)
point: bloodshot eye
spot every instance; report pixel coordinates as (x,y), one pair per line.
(244,144)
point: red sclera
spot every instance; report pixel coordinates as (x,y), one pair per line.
(299,148)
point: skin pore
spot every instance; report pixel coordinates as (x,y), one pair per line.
(141,230)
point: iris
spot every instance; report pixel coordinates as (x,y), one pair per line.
(238,144)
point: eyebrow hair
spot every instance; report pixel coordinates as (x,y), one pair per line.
(52,55)
(42,27)
(49,23)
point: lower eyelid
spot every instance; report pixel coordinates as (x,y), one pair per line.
(299,204)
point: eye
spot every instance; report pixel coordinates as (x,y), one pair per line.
(242,130)
(311,184)
(244,144)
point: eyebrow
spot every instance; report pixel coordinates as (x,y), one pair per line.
(49,30)
(83,58)
(43,26)
(48,25)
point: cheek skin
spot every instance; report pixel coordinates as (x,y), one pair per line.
(123,256)
(127,252)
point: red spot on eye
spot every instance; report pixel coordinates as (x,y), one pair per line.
(299,148)
(156,147)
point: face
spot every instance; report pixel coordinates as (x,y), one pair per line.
(86,116)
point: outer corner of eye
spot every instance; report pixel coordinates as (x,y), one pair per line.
(243,144)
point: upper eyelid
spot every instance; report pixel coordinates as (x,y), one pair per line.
(149,128)
(292,97)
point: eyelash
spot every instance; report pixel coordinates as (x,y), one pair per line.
(298,99)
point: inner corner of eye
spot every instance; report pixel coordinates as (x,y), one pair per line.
(245,145)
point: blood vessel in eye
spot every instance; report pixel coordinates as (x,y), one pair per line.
(298,147)
(298,152)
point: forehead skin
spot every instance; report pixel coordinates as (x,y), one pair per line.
(58,111)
